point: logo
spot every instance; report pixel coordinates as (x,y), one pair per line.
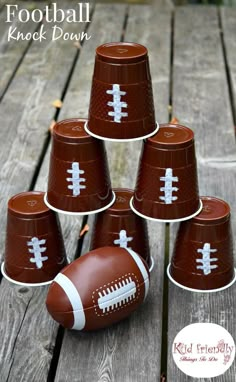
(207,209)
(203,350)
(121,199)
(167,134)
(31,203)
(122,50)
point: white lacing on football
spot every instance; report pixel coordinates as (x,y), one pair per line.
(117,295)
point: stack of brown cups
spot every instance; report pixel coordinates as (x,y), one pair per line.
(121,109)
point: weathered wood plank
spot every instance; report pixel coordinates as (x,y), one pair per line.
(3,3)
(108,354)
(200,88)
(219,308)
(26,112)
(25,323)
(25,352)
(198,103)
(40,335)
(228,21)
(12,52)
(109,26)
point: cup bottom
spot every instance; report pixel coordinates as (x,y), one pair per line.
(200,290)
(79,213)
(165,220)
(20,283)
(119,139)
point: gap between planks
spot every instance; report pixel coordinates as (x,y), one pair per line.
(45,325)
(227,17)
(209,112)
(22,304)
(105,348)
(227,69)
(13,52)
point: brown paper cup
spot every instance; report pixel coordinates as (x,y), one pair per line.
(34,252)
(119,226)
(121,102)
(203,253)
(167,183)
(79,179)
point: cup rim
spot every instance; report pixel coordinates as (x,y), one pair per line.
(199,290)
(165,220)
(5,275)
(79,213)
(120,139)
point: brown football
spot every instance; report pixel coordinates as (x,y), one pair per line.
(98,289)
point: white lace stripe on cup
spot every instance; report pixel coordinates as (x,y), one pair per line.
(123,239)
(117,104)
(37,251)
(206,259)
(74,298)
(142,269)
(168,189)
(75,179)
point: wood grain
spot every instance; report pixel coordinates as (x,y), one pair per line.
(200,89)
(201,100)
(228,20)
(12,52)
(40,334)
(25,323)
(131,350)
(26,113)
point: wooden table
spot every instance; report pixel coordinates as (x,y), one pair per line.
(193,64)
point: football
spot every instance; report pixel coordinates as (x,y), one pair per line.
(98,289)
